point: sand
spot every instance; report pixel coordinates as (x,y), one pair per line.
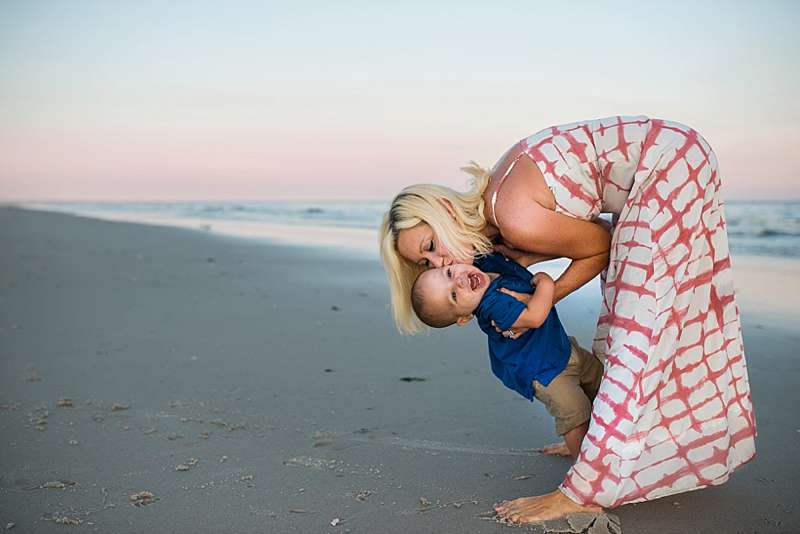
(167,380)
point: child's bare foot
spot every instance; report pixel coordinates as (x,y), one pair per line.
(556,449)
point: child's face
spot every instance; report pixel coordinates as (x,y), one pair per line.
(456,289)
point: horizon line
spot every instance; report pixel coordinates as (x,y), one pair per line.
(11,201)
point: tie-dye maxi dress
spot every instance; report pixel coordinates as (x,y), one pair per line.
(674,411)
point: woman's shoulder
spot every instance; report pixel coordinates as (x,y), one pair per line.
(519,187)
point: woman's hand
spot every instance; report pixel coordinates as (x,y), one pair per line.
(522,297)
(514,333)
(524,258)
(605,224)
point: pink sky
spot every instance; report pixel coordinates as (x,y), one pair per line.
(99,103)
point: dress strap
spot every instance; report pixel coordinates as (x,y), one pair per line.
(500,183)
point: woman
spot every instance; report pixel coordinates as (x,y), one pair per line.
(673,412)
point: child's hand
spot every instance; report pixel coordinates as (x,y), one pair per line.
(542,278)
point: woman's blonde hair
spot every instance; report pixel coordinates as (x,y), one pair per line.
(456,219)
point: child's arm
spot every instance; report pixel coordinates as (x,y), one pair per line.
(539,304)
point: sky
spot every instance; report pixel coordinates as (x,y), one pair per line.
(196,100)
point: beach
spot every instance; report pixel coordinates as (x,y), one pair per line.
(261,387)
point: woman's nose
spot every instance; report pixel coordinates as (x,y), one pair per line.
(438,261)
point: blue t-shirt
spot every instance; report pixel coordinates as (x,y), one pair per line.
(538,354)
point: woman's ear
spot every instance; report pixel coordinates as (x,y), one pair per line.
(449,207)
(463,320)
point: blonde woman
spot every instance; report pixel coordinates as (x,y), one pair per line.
(673,412)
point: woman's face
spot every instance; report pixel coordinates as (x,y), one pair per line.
(420,245)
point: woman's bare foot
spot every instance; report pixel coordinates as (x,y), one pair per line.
(556,449)
(540,508)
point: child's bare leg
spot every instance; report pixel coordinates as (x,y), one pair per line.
(571,445)
(574,438)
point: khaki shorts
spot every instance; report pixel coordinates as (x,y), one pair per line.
(568,397)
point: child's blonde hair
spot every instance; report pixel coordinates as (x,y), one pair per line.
(456,219)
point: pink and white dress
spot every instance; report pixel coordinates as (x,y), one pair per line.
(673,412)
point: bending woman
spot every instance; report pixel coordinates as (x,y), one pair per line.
(673,412)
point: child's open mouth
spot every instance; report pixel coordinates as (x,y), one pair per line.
(474,281)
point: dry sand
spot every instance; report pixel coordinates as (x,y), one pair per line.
(164,380)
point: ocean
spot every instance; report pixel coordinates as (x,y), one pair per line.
(765,228)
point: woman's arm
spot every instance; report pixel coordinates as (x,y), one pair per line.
(523,257)
(527,225)
(578,273)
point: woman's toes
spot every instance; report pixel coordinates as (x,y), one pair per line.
(506,513)
(517,518)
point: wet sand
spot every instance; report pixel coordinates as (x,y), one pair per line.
(166,380)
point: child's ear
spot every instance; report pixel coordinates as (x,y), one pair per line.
(464,319)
